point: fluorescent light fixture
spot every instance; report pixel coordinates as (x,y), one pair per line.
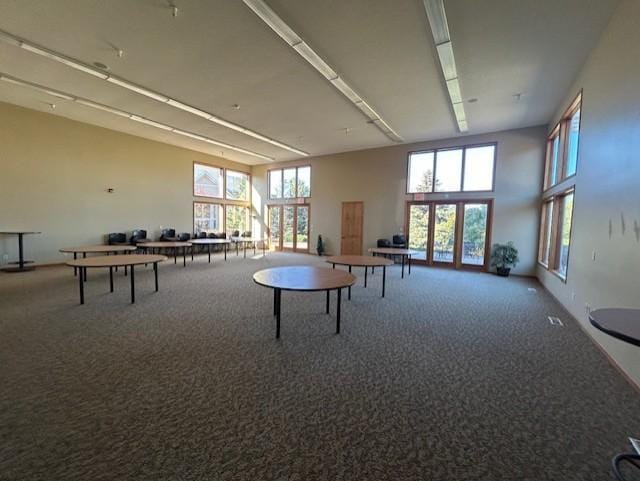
(271,18)
(279,26)
(440,31)
(453,86)
(437,20)
(152,123)
(447,60)
(11,39)
(21,83)
(347,91)
(188,108)
(63,60)
(315,60)
(221,144)
(104,108)
(138,89)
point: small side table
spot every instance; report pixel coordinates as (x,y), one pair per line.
(21,263)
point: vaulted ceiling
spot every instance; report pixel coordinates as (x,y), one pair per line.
(517,58)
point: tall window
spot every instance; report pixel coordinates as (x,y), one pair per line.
(237,185)
(207,181)
(559,185)
(237,219)
(207,217)
(290,183)
(463,169)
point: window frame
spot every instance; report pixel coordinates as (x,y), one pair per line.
(462,169)
(193,213)
(247,218)
(248,199)
(193,180)
(282,169)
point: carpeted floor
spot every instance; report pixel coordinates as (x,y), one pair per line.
(453,376)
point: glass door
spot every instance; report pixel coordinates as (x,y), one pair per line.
(419,215)
(275,227)
(302,228)
(288,221)
(444,233)
(474,234)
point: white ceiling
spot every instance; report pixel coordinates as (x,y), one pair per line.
(217,53)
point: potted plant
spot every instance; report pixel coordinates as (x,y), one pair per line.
(504,257)
(320,246)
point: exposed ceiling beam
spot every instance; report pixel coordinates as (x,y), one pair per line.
(157,96)
(121,113)
(271,18)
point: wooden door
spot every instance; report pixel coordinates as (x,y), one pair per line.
(352,219)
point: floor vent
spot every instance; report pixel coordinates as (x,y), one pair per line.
(532,289)
(555,321)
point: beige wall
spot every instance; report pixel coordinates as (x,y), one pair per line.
(607,199)
(54,175)
(378,177)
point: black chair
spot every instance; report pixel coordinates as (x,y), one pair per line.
(138,236)
(246,233)
(235,233)
(200,235)
(222,235)
(168,235)
(117,239)
(399,241)
(384,243)
(184,237)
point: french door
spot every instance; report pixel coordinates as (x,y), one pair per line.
(289,227)
(455,233)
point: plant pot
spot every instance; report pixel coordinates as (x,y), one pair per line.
(503,271)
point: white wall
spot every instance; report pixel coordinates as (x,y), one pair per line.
(378,177)
(606,218)
(54,175)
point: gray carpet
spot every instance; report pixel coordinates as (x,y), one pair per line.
(453,376)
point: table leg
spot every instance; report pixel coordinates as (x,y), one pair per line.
(84,275)
(191,252)
(409,260)
(133,285)
(254,248)
(365,276)
(349,289)
(384,278)
(334,266)
(110,279)
(175,255)
(75,269)
(209,246)
(244,250)
(155,273)
(402,257)
(184,256)
(328,300)
(278,302)
(275,302)
(225,251)
(126,269)
(237,248)
(81,279)
(20,251)
(264,251)
(338,311)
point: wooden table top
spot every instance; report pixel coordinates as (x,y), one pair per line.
(97,249)
(621,323)
(393,251)
(210,241)
(18,232)
(360,261)
(113,261)
(164,244)
(304,278)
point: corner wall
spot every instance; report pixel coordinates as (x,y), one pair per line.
(606,217)
(378,177)
(54,175)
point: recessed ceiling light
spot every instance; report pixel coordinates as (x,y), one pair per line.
(472,101)
(101,65)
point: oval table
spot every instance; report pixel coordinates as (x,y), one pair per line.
(97,249)
(621,323)
(303,278)
(395,251)
(145,246)
(362,261)
(209,242)
(131,261)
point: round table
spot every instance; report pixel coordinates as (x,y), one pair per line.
(97,249)
(395,251)
(116,261)
(303,278)
(621,323)
(362,261)
(21,267)
(209,242)
(249,240)
(169,245)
